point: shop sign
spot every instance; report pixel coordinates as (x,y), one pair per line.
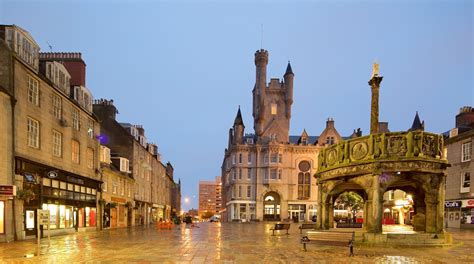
(43,217)
(118,200)
(468,203)
(452,204)
(52,174)
(8,190)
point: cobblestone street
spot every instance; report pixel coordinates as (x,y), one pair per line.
(220,243)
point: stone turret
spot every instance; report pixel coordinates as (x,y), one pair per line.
(289,76)
(261,62)
(238,128)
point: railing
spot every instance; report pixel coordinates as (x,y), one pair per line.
(381,147)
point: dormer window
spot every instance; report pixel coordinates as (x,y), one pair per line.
(274,109)
(330,140)
(304,141)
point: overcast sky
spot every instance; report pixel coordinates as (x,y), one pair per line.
(181,68)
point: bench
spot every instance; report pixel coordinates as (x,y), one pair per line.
(349,225)
(306,226)
(280,227)
(345,238)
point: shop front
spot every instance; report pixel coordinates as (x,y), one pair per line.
(459,213)
(157,213)
(7,192)
(69,198)
(297,212)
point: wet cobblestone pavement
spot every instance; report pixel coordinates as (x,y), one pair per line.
(221,243)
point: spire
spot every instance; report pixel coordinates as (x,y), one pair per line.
(288,69)
(238,118)
(417,124)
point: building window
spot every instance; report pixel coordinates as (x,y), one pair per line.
(304,180)
(274,109)
(234,174)
(57,106)
(240,191)
(274,158)
(90,158)
(90,128)
(114,188)
(33,91)
(75,119)
(75,151)
(465,182)
(57,143)
(249,173)
(273,174)
(249,158)
(279,173)
(280,158)
(33,133)
(240,157)
(240,174)
(249,191)
(265,158)
(466,151)
(265,174)
(330,140)
(233,159)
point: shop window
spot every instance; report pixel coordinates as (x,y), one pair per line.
(2,217)
(46,182)
(55,184)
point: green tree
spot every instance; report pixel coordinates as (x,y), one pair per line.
(351,201)
(207,215)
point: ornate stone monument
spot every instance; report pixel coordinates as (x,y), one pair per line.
(411,161)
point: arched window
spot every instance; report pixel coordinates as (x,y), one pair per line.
(304,180)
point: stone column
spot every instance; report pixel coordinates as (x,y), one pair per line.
(441,199)
(431,202)
(375,207)
(319,213)
(326,215)
(374,112)
(331,214)
(364,223)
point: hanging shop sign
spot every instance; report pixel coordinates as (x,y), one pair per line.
(52,174)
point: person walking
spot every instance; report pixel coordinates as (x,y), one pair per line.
(351,248)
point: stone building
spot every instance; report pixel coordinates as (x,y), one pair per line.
(210,198)
(117,190)
(48,145)
(267,175)
(459,204)
(154,185)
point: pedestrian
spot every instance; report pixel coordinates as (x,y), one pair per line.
(351,248)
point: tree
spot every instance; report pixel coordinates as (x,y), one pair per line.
(207,215)
(352,201)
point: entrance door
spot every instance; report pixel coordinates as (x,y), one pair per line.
(30,222)
(271,207)
(113,213)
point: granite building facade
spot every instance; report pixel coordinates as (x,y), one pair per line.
(267,174)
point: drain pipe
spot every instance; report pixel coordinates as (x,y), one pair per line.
(13,103)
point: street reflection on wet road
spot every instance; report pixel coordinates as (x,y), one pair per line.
(221,243)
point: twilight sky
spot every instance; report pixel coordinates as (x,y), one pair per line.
(181,68)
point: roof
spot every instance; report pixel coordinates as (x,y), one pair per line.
(238,118)
(288,69)
(417,125)
(312,140)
